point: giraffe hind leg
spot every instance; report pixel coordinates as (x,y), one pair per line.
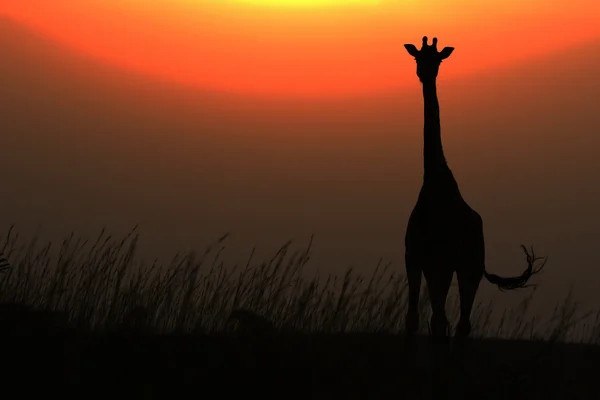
(469,274)
(468,283)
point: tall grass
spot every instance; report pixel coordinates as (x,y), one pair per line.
(103,286)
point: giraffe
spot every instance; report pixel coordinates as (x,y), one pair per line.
(444,234)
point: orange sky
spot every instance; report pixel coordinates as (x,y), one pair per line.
(251,46)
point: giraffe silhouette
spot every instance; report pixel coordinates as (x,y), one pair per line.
(444,234)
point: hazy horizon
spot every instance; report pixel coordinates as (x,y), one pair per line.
(88,145)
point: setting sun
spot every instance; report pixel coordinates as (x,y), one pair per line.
(332,48)
(307,3)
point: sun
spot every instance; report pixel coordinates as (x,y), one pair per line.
(303,48)
(308,3)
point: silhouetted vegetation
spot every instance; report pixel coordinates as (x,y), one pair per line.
(101,290)
(102,286)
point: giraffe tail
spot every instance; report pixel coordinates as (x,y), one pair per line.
(520,281)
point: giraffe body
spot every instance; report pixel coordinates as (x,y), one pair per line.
(444,236)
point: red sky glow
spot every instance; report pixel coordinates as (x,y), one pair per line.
(324,48)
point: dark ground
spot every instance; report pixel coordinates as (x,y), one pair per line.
(289,366)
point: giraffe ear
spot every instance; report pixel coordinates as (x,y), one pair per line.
(412,50)
(446,52)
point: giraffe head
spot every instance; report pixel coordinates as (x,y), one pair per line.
(428,58)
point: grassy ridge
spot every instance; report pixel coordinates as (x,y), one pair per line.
(103,286)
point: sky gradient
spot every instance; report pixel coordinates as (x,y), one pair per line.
(90,141)
(324,49)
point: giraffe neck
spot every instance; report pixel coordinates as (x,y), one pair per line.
(433,153)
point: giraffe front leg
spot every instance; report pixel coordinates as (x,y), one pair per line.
(413,275)
(438,284)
